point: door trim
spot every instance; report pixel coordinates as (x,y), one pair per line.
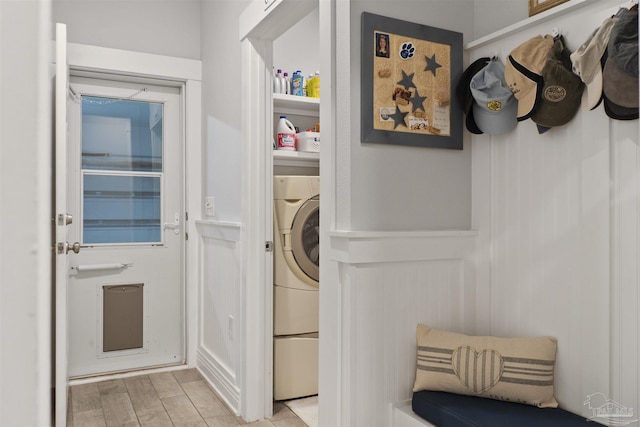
(257,300)
(187,74)
(60,263)
(127,63)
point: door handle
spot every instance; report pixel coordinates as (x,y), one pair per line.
(175,225)
(65,247)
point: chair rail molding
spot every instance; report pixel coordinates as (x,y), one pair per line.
(358,247)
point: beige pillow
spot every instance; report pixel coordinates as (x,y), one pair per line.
(511,369)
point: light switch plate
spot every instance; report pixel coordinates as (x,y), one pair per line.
(209,206)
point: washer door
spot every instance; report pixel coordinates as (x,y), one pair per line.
(305,238)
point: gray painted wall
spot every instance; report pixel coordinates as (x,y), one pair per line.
(222,117)
(407,188)
(163,27)
(493,15)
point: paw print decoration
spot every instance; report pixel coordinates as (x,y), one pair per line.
(407,50)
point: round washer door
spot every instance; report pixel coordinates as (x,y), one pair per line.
(305,238)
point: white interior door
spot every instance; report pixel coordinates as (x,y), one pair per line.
(62,221)
(125,187)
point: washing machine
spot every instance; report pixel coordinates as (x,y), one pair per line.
(295,285)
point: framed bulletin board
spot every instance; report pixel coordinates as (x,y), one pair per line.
(537,6)
(408,76)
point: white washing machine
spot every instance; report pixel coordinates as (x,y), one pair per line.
(295,285)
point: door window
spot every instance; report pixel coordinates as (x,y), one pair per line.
(122,166)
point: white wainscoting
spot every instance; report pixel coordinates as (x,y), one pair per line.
(219,306)
(625,271)
(391,281)
(558,220)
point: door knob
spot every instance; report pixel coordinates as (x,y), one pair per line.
(74,247)
(66,247)
(65,219)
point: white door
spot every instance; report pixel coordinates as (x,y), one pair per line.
(125,191)
(62,221)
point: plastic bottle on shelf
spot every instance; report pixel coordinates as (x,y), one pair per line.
(277,82)
(310,85)
(315,85)
(283,84)
(297,83)
(287,84)
(286,134)
(307,85)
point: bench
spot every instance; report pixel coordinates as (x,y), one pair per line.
(454,410)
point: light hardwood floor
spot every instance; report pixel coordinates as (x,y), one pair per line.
(178,398)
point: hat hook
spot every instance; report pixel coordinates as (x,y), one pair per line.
(494,56)
(555,32)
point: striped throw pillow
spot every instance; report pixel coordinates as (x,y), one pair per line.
(511,369)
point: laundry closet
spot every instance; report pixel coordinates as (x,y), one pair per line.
(296,212)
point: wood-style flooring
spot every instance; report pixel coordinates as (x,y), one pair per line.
(178,398)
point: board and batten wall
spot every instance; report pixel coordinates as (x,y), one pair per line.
(220,309)
(390,281)
(558,222)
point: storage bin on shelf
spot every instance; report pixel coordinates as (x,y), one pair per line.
(308,141)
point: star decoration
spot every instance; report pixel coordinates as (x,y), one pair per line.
(398,118)
(407,80)
(417,101)
(432,65)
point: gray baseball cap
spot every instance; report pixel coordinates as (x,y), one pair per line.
(495,109)
(620,73)
(586,63)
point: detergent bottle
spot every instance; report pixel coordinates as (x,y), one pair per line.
(315,84)
(286,134)
(297,83)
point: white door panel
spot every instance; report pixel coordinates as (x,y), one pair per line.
(125,187)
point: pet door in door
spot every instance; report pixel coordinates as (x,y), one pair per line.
(122,311)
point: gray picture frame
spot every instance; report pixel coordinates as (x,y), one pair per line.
(373,25)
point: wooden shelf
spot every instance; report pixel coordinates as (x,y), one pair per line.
(295,158)
(547,15)
(292,104)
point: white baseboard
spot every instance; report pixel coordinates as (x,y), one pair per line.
(222,381)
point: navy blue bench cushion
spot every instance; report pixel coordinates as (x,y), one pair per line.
(455,410)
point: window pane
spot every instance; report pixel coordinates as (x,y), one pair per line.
(121,135)
(121,209)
